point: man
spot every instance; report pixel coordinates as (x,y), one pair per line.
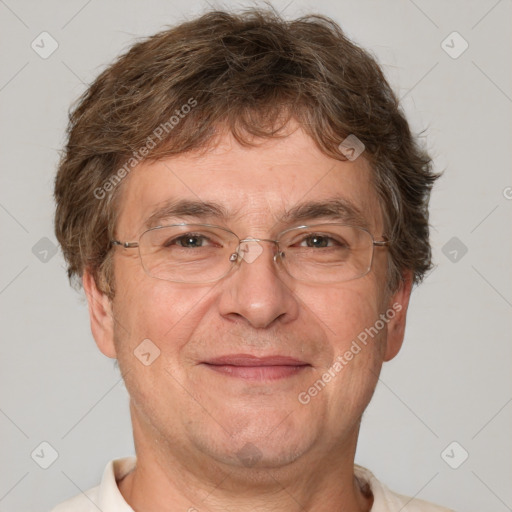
(246,208)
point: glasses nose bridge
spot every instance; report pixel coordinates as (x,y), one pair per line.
(251,239)
(240,250)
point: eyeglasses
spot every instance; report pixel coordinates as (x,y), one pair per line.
(204,253)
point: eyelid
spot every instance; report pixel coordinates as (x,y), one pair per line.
(189,234)
(209,240)
(317,228)
(304,236)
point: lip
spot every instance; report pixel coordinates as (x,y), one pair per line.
(252,361)
(249,367)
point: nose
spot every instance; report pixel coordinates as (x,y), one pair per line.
(257,292)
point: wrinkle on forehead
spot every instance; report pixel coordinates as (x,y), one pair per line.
(285,181)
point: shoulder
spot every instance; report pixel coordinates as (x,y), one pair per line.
(85,502)
(386,500)
(105,496)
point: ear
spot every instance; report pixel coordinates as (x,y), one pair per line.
(398,302)
(100,314)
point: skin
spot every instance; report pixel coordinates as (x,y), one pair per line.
(192,425)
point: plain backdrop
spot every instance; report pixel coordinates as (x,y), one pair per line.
(452,381)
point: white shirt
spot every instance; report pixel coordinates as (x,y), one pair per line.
(107,497)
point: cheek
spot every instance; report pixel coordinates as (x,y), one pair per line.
(344,310)
(155,321)
(165,313)
(342,388)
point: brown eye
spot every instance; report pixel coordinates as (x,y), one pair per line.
(188,241)
(317,241)
(320,241)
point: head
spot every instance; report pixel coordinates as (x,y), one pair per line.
(236,120)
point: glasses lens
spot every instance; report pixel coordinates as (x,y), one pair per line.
(189,253)
(327,253)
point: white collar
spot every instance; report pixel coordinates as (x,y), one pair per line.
(108,497)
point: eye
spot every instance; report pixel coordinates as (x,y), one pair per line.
(189,241)
(319,241)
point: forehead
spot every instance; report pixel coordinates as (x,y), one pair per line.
(270,185)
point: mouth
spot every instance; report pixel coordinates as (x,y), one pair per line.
(249,367)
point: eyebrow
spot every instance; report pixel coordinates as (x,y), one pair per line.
(336,209)
(201,210)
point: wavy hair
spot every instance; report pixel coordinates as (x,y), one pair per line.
(250,72)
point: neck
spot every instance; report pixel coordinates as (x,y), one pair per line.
(173,478)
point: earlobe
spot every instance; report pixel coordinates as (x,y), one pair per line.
(399,302)
(100,314)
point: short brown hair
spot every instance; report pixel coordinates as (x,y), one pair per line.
(250,72)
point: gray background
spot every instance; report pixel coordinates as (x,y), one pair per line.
(452,380)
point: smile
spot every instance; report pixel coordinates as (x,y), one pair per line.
(250,367)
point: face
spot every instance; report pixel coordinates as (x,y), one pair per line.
(211,392)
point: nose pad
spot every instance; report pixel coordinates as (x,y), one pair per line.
(278,257)
(249,250)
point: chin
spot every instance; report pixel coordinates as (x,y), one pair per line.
(259,444)
(257,455)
